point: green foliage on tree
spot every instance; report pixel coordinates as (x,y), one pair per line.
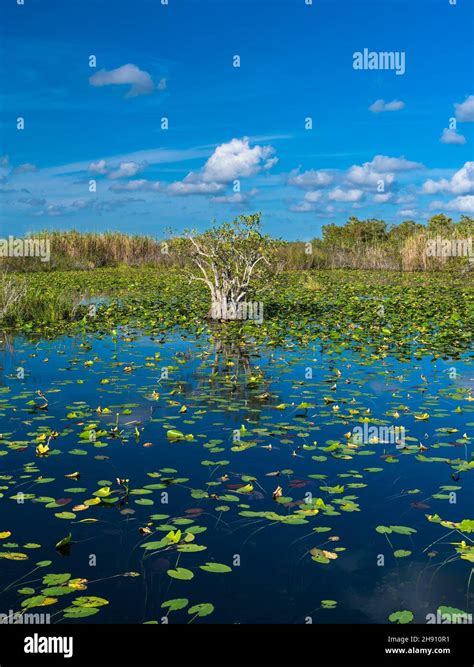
(229,256)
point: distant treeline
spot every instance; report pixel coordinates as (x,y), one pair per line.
(358,244)
(372,244)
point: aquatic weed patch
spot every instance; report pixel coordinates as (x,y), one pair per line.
(371,312)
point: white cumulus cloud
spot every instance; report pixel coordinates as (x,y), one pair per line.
(127,169)
(136,184)
(230,161)
(353,195)
(236,159)
(465,110)
(380,168)
(236,197)
(310,179)
(183,188)
(452,137)
(462,182)
(385,163)
(380,106)
(140,81)
(383,198)
(99,167)
(313,196)
(405,199)
(302,207)
(308,202)
(463,204)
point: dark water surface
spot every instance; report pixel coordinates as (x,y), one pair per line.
(274,578)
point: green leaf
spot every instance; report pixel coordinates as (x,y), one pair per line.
(467,526)
(383,529)
(173,434)
(401,553)
(35,601)
(56,579)
(191,548)
(64,542)
(328,604)
(203,609)
(176,604)
(320,559)
(103,492)
(461,616)
(80,612)
(13,555)
(403,530)
(65,515)
(57,590)
(216,567)
(89,601)
(401,617)
(180,573)
(155,545)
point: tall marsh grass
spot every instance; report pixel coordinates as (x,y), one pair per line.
(12,295)
(359,244)
(22,302)
(73,250)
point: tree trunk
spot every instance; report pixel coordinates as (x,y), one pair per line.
(223,308)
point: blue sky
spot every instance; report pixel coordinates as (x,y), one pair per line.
(382,144)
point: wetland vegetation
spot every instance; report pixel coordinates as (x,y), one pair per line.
(158,466)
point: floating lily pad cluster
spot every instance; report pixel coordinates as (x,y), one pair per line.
(193,443)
